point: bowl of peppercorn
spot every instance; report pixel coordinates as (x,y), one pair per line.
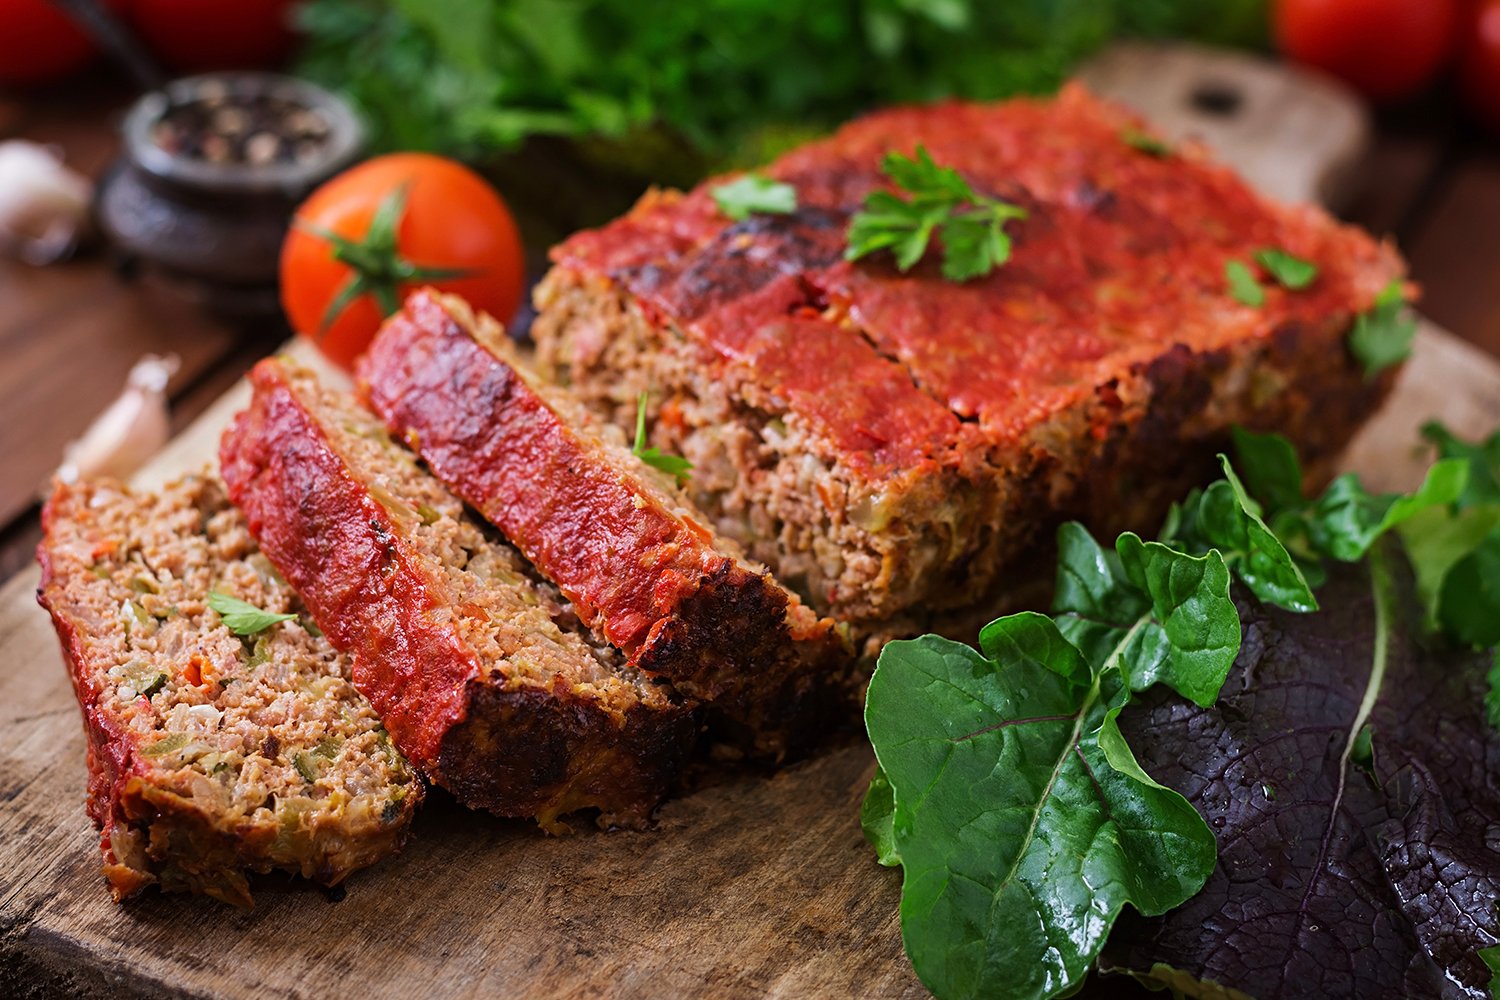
(211,170)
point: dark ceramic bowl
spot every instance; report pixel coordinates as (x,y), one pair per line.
(214,229)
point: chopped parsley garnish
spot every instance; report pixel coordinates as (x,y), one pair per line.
(753,193)
(971,225)
(1291,271)
(1243,287)
(1146,143)
(243,618)
(1382,337)
(674,465)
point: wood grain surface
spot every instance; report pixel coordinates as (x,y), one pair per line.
(755,886)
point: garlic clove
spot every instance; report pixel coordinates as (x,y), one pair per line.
(130,430)
(44,205)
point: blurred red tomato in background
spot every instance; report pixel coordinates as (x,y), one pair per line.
(193,35)
(39,43)
(1387,49)
(1479,61)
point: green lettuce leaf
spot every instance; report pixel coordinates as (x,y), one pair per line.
(1148,610)
(1020,835)
(1347,519)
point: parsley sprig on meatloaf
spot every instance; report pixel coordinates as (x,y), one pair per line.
(939,201)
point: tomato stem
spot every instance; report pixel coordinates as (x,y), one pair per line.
(379,269)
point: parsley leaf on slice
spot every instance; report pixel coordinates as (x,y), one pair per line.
(1145,142)
(941,202)
(754,193)
(674,465)
(241,617)
(1291,271)
(1243,287)
(1382,336)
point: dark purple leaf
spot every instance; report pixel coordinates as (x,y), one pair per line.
(1336,878)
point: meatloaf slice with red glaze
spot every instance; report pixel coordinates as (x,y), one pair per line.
(483,675)
(894,443)
(212,752)
(612,533)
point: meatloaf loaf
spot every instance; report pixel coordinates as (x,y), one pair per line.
(484,676)
(611,532)
(889,442)
(213,751)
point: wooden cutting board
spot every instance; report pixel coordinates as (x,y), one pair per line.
(758,886)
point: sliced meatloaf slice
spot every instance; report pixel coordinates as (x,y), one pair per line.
(641,567)
(217,746)
(893,442)
(483,675)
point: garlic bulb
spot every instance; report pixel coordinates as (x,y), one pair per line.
(44,206)
(131,430)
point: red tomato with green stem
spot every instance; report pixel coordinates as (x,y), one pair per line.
(1479,65)
(369,236)
(1387,49)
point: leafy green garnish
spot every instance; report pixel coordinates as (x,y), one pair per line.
(1159,613)
(754,193)
(971,225)
(1449,526)
(1492,696)
(1347,519)
(1382,337)
(674,465)
(1146,143)
(1455,549)
(243,618)
(1006,791)
(1243,287)
(1292,272)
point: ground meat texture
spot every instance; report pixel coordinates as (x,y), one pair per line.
(891,443)
(483,674)
(621,543)
(211,754)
